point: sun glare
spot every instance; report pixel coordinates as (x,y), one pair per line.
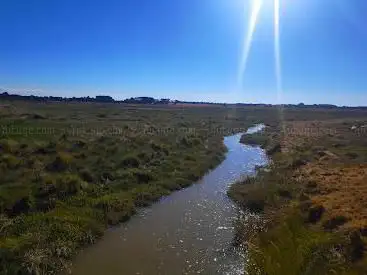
(278,67)
(255,10)
(256,6)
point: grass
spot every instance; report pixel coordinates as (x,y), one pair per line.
(312,201)
(292,248)
(268,139)
(70,170)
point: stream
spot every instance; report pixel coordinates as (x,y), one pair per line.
(188,232)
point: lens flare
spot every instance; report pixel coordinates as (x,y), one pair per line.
(255,10)
(278,70)
(278,65)
(256,6)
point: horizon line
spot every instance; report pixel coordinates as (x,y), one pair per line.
(114,100)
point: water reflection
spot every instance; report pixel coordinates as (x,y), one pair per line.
(188,232)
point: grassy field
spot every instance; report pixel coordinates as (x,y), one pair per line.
(313,198)
(70,170)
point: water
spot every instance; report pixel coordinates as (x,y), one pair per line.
(188,232)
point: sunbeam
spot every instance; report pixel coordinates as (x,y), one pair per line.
(255,10)
(277,57)
(278,70)
(256,6)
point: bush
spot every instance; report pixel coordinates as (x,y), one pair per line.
(86,175)
(8,145)
(356,247)
(298,162)
(61,163)
(291,248)
(190,157)
(116,207)
(130,161)
(156,146)
(10,161)
(183,182)
(334,222)
(126,176)
(142,176)
(147,194)
(185,141)
(275,148)
(68,185)
(15,200)
(145,156)
(249,196)
(352,155)
(37,116)
(170,185)
(45,242)
(196,141)
(315,213)
(255,139)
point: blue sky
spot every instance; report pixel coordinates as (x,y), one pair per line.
(187,50)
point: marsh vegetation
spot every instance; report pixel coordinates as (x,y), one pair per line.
(311,198)
(70,170)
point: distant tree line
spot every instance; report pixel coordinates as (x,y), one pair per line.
(100,98)
(150,100)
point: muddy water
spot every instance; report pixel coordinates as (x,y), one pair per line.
(188,232)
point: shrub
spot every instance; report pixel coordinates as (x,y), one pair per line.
(300,161)
(285,193)
(42,149)
(183,182)
(315,213)
(86,175)
(107,176)
(144,156)
(190,157)
(145,195)
(356,246)
(196,141)
(275,148)
(10,161)
(61,162)
(69,184)
(116,207)
(352,155)
(130,161)
(334,222)
(15,200)
(185,141)
(125,175)
(255,139)
(156,146)
(80,144)
(249,196)
(292,248)
(8,145)
(142,176)
(170,185)
(37,116)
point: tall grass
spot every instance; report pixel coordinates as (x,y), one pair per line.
(296,235)
(291,248)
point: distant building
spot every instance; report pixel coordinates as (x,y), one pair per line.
(104,98)
(165,101)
